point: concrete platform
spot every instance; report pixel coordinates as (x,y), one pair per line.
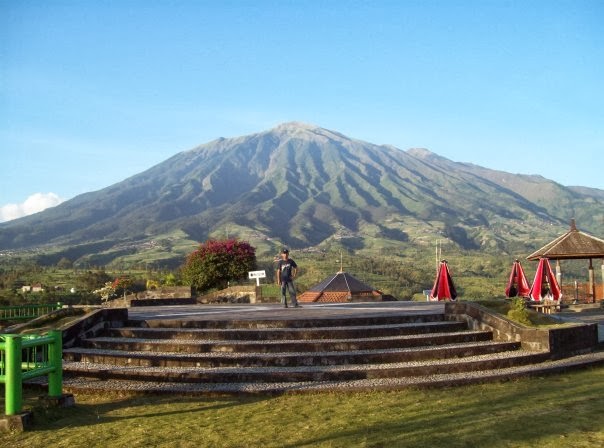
(276,311)
(588,316)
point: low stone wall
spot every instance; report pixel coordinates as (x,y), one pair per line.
(133,301)
(233,294)
(93,323)
(161,302)
(38,321)
(166,292)
(560,342)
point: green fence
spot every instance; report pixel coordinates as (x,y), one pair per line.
(23,357)
(27,312)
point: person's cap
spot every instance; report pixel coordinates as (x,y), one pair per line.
(285,250)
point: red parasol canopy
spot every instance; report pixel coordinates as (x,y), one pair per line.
(443,285)
(545,285)
(518,285)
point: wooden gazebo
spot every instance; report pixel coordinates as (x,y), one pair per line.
(574,245)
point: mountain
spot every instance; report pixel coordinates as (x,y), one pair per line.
(306,186)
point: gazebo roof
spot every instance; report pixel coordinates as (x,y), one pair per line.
(342,281)
(341,287)
(574,244)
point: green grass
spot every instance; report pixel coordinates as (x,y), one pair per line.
(553,411)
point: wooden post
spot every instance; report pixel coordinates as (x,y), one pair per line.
(558,273)
(602,279)
(592,286)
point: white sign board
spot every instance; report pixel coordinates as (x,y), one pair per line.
(257,275)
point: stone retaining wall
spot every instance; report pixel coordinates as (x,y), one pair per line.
(161,302)
(560,342)
(166,292)
(233,294)
(92,324)
(40,320)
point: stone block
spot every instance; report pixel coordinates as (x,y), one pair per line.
(19,422)
(62,401)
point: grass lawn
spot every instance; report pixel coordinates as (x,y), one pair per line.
(554,411)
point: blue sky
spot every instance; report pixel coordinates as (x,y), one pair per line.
(92,92)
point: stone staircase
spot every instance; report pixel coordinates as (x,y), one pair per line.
(297,353)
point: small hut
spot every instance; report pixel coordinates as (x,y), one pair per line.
(341,287)
(573,245)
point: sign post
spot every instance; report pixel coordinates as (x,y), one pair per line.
(257,275)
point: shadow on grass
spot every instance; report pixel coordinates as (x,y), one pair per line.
(91,409)
(520,413)
(558,410)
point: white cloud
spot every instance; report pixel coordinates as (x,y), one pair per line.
(33,204)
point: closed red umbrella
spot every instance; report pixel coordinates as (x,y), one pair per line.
(443,288)
(518,285)
(545,286)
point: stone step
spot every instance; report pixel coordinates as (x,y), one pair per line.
(283,346)
(219,359)
(306,373)
(260,334)
(75,384)
(289,321)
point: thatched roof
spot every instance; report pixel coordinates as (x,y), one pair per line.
(574,244)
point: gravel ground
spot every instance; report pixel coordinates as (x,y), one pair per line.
(516,354)
(184,355)
(438,380)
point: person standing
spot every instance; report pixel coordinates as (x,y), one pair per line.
(287,269)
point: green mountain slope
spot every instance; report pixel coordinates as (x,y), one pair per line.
(306,186)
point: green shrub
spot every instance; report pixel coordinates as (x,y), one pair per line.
(518,311)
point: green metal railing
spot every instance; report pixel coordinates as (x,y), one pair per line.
(23,357)
(27,312)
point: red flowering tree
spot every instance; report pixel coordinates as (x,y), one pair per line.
(122,285)
(216,262)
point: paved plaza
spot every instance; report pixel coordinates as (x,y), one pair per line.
(278,312)
(272,311)
(592,316)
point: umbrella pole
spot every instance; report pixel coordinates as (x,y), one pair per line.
(436,257)
(558,273)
